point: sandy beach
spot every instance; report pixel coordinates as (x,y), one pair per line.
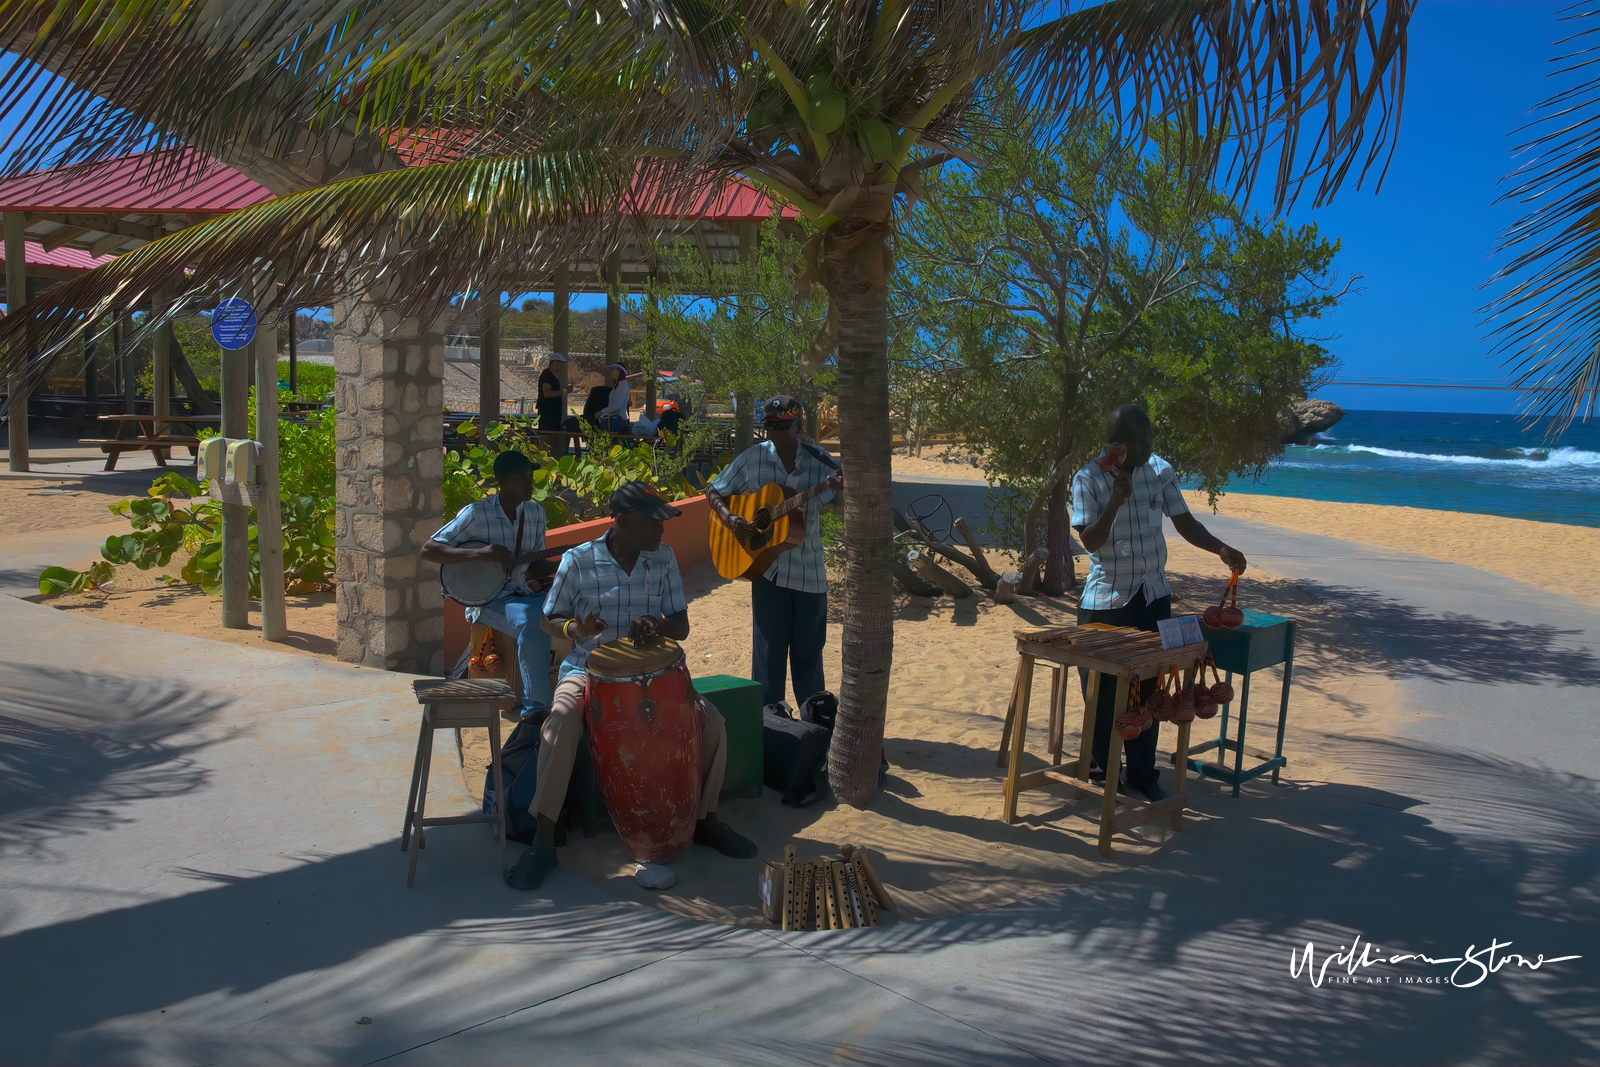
(937,830)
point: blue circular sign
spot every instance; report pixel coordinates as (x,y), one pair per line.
(233,323)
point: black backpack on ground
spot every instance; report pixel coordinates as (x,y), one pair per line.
(794,755)
(519,761)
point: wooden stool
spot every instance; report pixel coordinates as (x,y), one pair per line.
(445,704)
(1102,650)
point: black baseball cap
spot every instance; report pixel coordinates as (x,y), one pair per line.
(782,408)
(642,496)
(512,462)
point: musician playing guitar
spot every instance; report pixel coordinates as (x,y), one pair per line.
(789,601)
(512,524)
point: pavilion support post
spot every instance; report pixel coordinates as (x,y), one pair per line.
(650,360)
(91,369)
(124,361)
(389,479)
(16,295)
(294,353)
(488,360)
(614,306)
(560,328)
(235,517)
(161,371)
(269,511)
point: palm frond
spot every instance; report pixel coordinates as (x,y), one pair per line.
(1315,86)
(312,91)
(1546,322)
(413,237)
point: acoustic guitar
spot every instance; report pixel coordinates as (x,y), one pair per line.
(477,582)
(767,509)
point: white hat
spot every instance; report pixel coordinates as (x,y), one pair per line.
(557,356)
(619,367)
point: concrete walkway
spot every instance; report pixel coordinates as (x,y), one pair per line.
(200,865)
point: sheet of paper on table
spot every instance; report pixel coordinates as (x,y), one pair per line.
(1183,630)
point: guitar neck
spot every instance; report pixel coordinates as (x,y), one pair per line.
(800,500)
(534,557)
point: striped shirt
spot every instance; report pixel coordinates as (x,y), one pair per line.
(801,568)
(485,520)
(590,579)
(1134,554)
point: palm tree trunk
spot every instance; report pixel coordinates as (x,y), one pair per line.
(864,436)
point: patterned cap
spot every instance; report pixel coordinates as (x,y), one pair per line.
(782,408)
(641,496)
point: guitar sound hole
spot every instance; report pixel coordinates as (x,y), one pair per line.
(761,519)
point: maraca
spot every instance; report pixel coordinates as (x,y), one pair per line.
(1112,456)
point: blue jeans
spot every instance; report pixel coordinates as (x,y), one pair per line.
(615,424)
(518,615)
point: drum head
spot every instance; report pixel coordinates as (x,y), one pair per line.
(620,659)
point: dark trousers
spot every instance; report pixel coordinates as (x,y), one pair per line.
(787,626)
(1141,751)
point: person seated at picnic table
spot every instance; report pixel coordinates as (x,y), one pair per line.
(669,417)
(614,416)
(510,523)
(624,584)
(1118,518)
(598,398)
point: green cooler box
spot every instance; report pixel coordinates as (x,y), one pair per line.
(739,700)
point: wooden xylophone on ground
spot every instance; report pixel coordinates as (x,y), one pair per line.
(831,893)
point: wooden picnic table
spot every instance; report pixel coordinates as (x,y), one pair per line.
(139,433)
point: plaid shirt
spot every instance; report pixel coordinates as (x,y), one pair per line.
(590,579)
(801,568)
(485,520)
(1134,554)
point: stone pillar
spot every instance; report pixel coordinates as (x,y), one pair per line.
(389,489)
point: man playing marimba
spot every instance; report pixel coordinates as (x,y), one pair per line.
(625,584)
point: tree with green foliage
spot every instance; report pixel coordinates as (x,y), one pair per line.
(740,327)
(1064,274)
(424,146)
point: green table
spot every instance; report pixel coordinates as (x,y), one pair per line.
(1263,641)
(739,700)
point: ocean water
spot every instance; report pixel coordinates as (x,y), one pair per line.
(1487,464)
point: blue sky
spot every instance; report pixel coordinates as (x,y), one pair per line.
(1424,243)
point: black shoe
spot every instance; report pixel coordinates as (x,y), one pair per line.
(538,861)
(1151,790)
(1097,773)
(721,836)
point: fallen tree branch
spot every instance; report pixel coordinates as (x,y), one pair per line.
(985,573)
(911,583)
(1031,570)
(1005,591)
(926,568)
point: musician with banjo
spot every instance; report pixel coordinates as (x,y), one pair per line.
(788,581)
(494,562)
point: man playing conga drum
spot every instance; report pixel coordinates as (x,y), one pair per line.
(625,584)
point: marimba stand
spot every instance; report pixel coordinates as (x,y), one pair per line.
(1115,651)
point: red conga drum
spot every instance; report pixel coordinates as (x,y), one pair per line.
(643,724)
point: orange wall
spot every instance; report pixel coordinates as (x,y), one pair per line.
(687,534)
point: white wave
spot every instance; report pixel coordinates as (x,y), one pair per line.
(1557,457)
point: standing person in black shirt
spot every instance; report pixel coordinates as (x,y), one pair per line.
(552,402)
(552,405)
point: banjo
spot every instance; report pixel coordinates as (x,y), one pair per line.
(476,582)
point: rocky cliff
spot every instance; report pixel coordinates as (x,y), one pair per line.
(1307,417)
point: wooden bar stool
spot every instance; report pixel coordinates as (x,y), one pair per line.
(464,702)
(1104,651)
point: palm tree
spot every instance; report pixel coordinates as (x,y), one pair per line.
(526,123)
(1547,317)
